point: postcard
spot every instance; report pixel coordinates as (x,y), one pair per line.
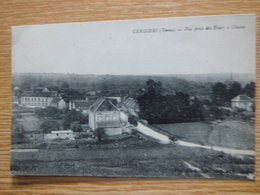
(162,98)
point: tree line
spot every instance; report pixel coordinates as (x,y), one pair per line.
(159,107)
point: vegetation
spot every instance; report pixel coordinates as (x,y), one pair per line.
(100,133)
(49,125)
(222,95)
(132,120)
(72,116)
(158,107)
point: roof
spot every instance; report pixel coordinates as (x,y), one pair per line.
(45,90)
(242,98)
(82,103)
(56,100)
(131,103)
(40,94)
(107,124)
(16,88)
(114,94)
(103,104)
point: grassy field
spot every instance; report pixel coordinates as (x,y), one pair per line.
(234,134)
(130,157)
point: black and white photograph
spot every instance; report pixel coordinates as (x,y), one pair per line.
(160,98)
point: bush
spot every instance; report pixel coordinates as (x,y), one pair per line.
(133,120)
(48,126)
(75,126)
(100,133)
(216,112)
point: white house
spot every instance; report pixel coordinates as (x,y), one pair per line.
(104,114)
(242,101)
(58,103)
(59,135)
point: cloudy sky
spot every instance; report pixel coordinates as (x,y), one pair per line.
(114,47)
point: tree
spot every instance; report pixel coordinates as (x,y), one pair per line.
(219,94)
(234,90)
(100,133)
(75,126)
(65,85)
(25,86)
(250,89)
(157,107)
(49,125)
(73,115)
(133,120)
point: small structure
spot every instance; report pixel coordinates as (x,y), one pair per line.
(59,135)
(81,105)
(58,103)
(131,106)
(15,100)
(242,101)
(16,88)
(104,114)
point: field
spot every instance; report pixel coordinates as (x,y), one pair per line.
(234,134)
(130,157)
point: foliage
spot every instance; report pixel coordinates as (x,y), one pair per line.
(158,107)
(25,86)
(49,125)
(50,112)
(65,85)
(100,133)
(132,120)
(75,126)
(222,95)
(219,94)
(73,115)
(234,90)
(250,89)
(216,112)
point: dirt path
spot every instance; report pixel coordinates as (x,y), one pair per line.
(216,148)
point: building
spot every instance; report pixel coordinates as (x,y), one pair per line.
(38,98)
(81,105)
(242,101)
(59,135)
(104,114)
(58,103)
(131,106)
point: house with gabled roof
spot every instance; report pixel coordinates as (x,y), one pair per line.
(58,103)
(242,101)
(104,114)
(81,105)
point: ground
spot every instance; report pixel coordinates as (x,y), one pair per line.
(236,134)
(130,156)
(137,156)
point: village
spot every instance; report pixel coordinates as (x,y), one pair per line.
(45,119)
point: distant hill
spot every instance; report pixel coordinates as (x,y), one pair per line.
(242,78)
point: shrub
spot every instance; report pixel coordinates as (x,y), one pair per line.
(48,126)
(133,120)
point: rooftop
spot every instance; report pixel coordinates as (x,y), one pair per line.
(242,98)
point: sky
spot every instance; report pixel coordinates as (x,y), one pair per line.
(122,47)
